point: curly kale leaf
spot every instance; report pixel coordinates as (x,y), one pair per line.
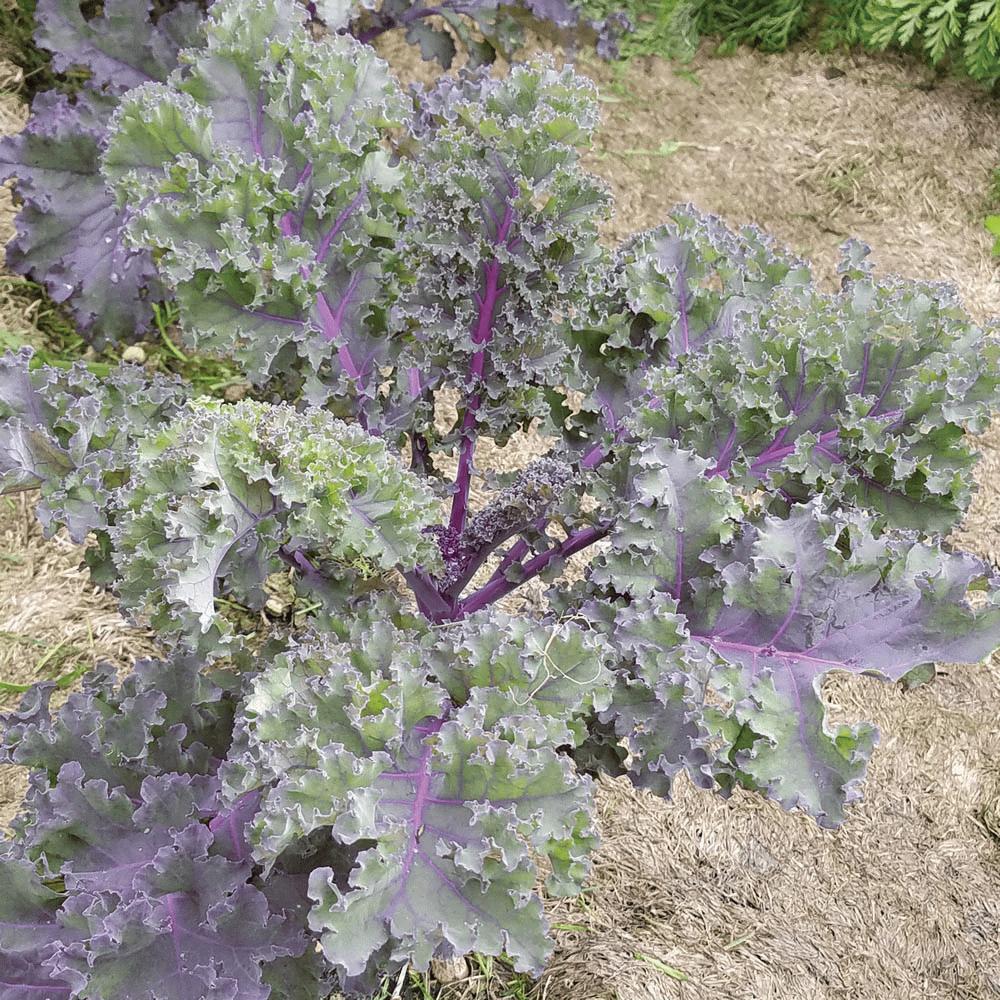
(796,599)
(225,495)
(259,174)
(866,394)
(191,925)
(70,434)
(764,612)
(30,930)
(504,242)
(120,47)
(24,979)
(166,717)
(445,787)
(69,231)
(677,512)
(127,874)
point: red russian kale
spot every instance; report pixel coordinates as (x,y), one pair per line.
(748,476)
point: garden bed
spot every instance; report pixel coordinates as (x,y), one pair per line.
(700,897)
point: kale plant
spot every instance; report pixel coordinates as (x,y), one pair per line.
(745,489)
(70,229)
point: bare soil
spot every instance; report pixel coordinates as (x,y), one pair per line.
(701,898)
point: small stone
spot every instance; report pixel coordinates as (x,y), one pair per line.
(449,970)
(234,393)
(275,607)
(134,354)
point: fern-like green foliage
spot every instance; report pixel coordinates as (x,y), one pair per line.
(960,35)
(771,25)
(964,33)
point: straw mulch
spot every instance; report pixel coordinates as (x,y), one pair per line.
(699,898)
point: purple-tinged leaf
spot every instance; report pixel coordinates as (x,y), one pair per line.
(444,802)
(25,978)
(69,232)
(195,928)
(223,491)
(799,598)
(658,701)
(28,913)
(262,178)
(121,47)
(71,435)
(435,881)
(166,717)
(675,512)
(866,394)
(99,839)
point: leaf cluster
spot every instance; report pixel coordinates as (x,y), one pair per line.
(70,232)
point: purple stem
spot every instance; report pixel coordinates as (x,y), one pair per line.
(785,654)
(477,557)
(420,800)
(833,456)
(514,554)
(725,459)
(481,336)
(234,821)
(863,377)
(291,222)
(339,222)
(430,600)
(298,560)
(888,385)
(257,125)
(421,454)
(599,452)
(332,320)
(682,307)
(775,452)
(594,457)
(498,588)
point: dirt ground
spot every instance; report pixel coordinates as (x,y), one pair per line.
(700,898)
